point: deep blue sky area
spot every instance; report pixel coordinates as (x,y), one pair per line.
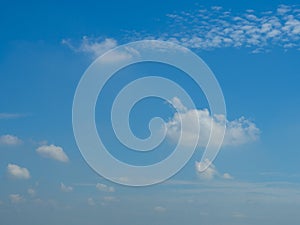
(252,48)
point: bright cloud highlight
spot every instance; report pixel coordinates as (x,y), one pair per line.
(239,131)
(53,152)
(17,172)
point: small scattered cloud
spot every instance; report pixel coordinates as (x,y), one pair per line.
(17,172)
(160,209)
(53,152)
(211,172)
(31,192)
(238,132)
(16,198)
(208,174)
(216,27)
(227,176)
(204,28)
(105,188)
(65,188)
(10,140)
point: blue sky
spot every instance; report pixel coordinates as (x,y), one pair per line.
(251,47)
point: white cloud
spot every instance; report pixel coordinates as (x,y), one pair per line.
(65,188)
(105,188)
(31,192)
(238,132)
(10,140)
(92,46)
(227,176)
(117,56)
(16,198)
(283,9)
(211,172)
(17,172)
(160,209)
(208,174)
(53,152)
(178,104)
(96,47)
(208,29)
(212,28)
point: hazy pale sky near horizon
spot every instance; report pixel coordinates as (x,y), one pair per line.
(253,49)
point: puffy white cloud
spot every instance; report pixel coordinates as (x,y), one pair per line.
(211,172)
(10,140)
(65,188)
(16,198)
(53,152)
(105,188)
(17,172)
(238,132)
(283,9)
(178,104)
(208,174)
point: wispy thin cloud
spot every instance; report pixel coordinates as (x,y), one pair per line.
(212,28)
(16,198)
(95,47)
(31,192)
(105,188)
(11,115)
(65,188)
(91,46)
